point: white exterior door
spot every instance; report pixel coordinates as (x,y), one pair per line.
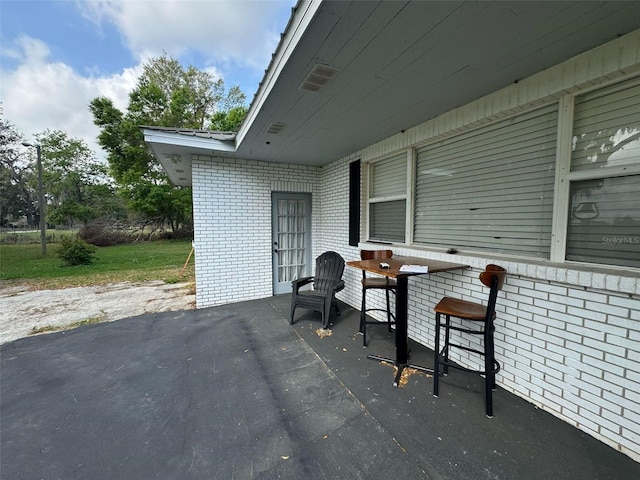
(291,213)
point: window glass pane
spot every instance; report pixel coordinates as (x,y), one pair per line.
(387,217)
(606,131)
(387,221)
(490,189)
(604,221)
(389,177)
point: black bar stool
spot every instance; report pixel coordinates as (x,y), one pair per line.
(483,317)
(376,283)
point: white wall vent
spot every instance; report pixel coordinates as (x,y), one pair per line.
(318,77)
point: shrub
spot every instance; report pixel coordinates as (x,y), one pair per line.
(181,234)
(103,233)
(73,251)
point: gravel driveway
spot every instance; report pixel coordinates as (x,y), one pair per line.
(24,310)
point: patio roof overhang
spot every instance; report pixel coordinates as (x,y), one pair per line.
(349,74)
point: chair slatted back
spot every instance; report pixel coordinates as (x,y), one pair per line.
(371,254)
(329,270)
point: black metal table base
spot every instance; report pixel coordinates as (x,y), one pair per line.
(400,367)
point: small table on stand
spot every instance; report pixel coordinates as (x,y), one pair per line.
(402,278)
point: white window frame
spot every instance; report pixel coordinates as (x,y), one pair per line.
(406,196)
(564,175)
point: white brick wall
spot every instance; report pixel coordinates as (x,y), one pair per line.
(232,222)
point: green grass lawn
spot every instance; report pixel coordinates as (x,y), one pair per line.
(157,260)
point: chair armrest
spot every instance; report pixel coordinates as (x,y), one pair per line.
(338,286)
(300,282)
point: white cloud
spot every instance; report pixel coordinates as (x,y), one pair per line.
(238,32)
(41,95)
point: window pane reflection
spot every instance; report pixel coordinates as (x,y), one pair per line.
(604,221)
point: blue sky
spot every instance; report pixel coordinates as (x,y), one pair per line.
(57,55)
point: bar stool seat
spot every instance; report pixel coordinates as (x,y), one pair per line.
(482,317)
(376,283)
(462,309)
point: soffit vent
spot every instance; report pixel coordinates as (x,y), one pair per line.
(319,76)
(275,127)
(174,158)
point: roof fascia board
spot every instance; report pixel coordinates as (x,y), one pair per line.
(305,11)
(177,139)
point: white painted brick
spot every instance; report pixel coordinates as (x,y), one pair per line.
(632,303)
(604,346)
(521,283)
(239,193)
(629,364)
(631,437)
(565,300)
(548,305)
(521,330)
(556,289)
(567,318)
(587,295)
(565,335)
(551,322)
(586,314)
(604,328)
(607,309)
(589,406)
(535,311)
(630,420)
(627,324)
(612,392)
(600,366)
(569,408)
(552,360)
(617,380)
(628,284)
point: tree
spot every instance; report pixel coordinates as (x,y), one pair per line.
(228,121)
(166,95)
(77,186)
(17,199)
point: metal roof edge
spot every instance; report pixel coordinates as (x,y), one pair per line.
(201,139)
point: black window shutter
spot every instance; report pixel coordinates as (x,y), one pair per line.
(354,203)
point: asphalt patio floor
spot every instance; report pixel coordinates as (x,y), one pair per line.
(235,392)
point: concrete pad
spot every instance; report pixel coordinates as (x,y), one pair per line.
(219,393)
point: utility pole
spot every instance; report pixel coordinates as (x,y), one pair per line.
(41,204)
